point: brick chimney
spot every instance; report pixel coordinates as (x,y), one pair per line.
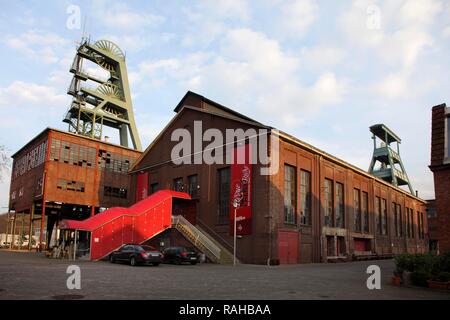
(438,127)
(440,165)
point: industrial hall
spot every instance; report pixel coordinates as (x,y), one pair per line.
(304,205)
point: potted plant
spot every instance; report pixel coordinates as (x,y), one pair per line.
(440,281)
(396,279)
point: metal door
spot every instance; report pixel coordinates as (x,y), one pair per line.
(288,247)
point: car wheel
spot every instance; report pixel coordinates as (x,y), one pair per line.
(133,261)
(193,263)
(178,261)
(112,259)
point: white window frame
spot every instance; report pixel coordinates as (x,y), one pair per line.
(446,140)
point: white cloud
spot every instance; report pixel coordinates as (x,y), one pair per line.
(298,15)
(37,45)
(446,32)
(393,86)
(218,10)
(405,46)
(404,28)
(19,92)
(321,57)
(231,8)
(119,16)
(128,43)
(419,12)
(252,72)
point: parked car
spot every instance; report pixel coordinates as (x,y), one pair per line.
(136,254)
(180,255)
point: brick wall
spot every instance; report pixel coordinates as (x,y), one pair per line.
(437,135)
(441,174)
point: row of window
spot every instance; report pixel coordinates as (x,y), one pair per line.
(120,193)
(70,185)
(191,187)
(334,207)
(83,156)
(290,196)
(403,224)
(178,185)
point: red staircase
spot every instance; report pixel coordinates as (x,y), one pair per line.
(136,224)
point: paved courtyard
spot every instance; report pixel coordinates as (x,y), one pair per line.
(32,276)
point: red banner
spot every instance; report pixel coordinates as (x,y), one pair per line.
(241,193)
(142,186)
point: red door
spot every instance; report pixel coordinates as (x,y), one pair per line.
(288,247)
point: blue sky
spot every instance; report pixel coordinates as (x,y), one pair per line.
(323,71)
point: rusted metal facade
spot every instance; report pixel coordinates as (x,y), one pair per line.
(367,216)
(68,176)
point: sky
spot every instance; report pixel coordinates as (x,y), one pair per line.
(323,71)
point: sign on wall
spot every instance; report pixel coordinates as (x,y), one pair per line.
(241,191)
(31,160)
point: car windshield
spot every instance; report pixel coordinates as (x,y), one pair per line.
(146,248)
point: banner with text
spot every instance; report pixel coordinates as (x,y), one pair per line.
(241,193)
(142,186)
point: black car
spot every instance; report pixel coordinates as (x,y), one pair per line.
(135,254)
(180,255)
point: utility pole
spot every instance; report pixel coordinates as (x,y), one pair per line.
(235,205)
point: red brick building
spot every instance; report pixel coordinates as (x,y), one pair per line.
(65,175)
(440,166)
(315,208)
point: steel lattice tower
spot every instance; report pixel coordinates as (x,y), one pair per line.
(107,104)
(390,166)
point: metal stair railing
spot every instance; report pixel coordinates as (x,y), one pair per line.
(198,238)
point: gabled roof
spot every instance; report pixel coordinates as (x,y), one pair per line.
(204,105)
(236,116)
(178,115)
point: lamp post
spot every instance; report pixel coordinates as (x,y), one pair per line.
(235,205)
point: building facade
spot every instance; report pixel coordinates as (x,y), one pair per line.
(314,208)
(440,166)
(64,175)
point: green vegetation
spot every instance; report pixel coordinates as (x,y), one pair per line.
(423,267)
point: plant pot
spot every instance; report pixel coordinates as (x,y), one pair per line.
(396,281)
(432,284)
(407,278)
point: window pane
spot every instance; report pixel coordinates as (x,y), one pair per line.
(394,213)
(384,216)
(328,202)
(290,194)
(154,187)
(340,206)
(305,197)
(224,196)
(193,185)
(378,214)
(365,211)
(178,184)
(357,209)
